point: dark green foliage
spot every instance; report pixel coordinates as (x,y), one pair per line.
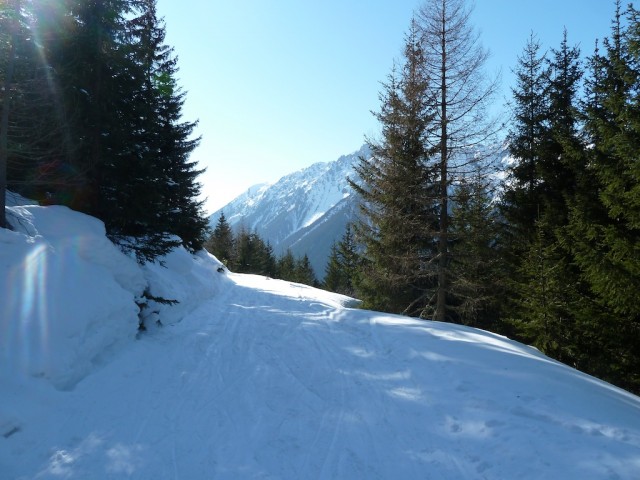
(547,149)
(297,270)
(342,266)
(399,195)
(520,204)
(610,225)
(475,257)
(573,210)
(247,252)
(98,123)
(286,266)
(251,254)
(304,273)
(221,241)
(604,222)
(9,24)
(33,140)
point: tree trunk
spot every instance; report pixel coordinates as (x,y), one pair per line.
(441,299)
(4,119)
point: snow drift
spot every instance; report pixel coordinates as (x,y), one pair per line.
(69,294)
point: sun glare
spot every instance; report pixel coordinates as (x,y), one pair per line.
(29,302)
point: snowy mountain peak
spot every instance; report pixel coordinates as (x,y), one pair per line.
(280,211)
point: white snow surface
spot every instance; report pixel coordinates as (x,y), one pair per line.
(258,378)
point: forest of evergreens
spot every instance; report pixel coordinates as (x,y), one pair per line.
(247,252)
(91,119)
(547,253)
(550,255)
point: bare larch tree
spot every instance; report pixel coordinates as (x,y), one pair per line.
(455,62)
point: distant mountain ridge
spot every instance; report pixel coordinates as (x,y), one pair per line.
(305,211)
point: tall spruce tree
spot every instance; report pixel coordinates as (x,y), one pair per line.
(96,123)
(454,71)
(221,241)
(475,255)
(529,126)
(168,140)
(398,194)
(304,272)
(614,124)
(286,266)
(604,221)
(342,266)
(36,133)
(544,287)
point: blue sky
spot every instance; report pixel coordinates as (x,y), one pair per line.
(280,84)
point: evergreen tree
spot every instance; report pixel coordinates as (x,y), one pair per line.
(604,219)
(9,21)
(398,195)
(520,204)
(475,257)
(32,135)
(304,272)
(544,287)
(221,241)
(269,263)
(286,266)
(334,276)
(167,140)
(245,256)
(96,123)
(342,266)
(252,255)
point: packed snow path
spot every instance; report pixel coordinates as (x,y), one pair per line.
(276,380)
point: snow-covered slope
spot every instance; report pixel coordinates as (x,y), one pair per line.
(69,297)
(260,378)
(298,201)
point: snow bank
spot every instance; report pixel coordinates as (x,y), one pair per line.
(69,295)
(186,278)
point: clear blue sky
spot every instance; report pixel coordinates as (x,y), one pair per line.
(280,84)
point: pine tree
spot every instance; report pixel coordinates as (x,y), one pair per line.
(334,275)
(221,241)
(39,137)
(167,140)
(520,204)
(269,263)
(245,257)
(563,155)
(604,219)
(96,124)
(286,266)
(475,255)
(304,272)
(342,266)
(610,225)
(544,289)
(398,195)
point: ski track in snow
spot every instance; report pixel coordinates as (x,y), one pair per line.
(267,382)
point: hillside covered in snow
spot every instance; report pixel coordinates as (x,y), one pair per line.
(249,377)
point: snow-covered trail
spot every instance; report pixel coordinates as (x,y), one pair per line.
(274,380)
